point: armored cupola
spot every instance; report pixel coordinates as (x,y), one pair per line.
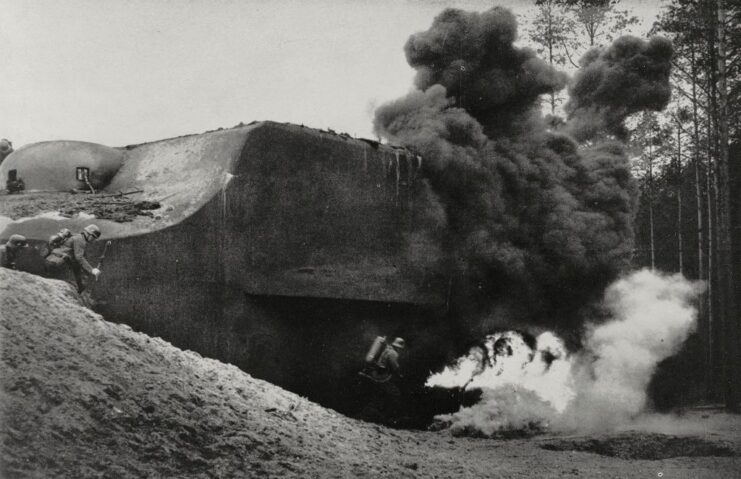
(60,166)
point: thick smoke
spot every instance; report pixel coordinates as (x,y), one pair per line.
(602,387)
(472,56)
(630,76)
(530,217)
(653,316)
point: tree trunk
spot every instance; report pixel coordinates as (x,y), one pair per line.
(704,320)
(651,204)
(550,54)
(726,287)
(651,223)
(696,154)
(679,200)
(715,300)
(711,258)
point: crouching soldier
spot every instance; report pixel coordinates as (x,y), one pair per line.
(384,372)
(9,251)
(72,254)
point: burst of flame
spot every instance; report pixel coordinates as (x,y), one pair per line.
(600,387)
(509,362)
(459,374)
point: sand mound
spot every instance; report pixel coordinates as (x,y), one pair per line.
(82,397)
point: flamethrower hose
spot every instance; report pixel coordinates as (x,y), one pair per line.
(102,256)
(87,181)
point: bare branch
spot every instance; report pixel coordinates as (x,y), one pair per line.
(688,75)
(734,62)
(568,55)
(681,91)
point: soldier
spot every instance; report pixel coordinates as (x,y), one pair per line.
(72,253)
(388,362)
(10,250)
(385,373)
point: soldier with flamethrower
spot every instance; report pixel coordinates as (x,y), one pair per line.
(383,371)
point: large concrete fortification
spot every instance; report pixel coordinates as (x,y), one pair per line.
(278,248)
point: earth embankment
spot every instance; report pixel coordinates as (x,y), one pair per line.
(83,397)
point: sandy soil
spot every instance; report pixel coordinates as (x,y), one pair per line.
(82,397)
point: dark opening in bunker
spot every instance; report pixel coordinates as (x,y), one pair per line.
(83,173)
(316,348)
(14,183)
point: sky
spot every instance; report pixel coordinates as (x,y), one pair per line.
(121,72)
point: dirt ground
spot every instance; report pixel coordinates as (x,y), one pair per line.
(81,397)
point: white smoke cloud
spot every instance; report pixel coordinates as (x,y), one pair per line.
(601,387)
(653,316)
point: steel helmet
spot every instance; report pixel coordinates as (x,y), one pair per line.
(92,230)
(18,241)
(398,343)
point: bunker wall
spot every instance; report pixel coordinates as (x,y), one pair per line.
(318,215)
(289,270)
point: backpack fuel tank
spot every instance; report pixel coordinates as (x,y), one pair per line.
(375,350)
(56,241)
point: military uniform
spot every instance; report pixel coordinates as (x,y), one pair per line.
(72,254)
(385,399)
(9,251)
(7,257)
(388,363)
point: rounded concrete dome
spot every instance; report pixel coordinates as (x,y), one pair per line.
(62,165)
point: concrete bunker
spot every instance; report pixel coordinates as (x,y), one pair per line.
(281,249)
(62,166)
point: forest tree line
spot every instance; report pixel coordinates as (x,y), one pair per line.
(686,159)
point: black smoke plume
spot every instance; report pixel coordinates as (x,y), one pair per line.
(532,220)
(472,56)
(630,76)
